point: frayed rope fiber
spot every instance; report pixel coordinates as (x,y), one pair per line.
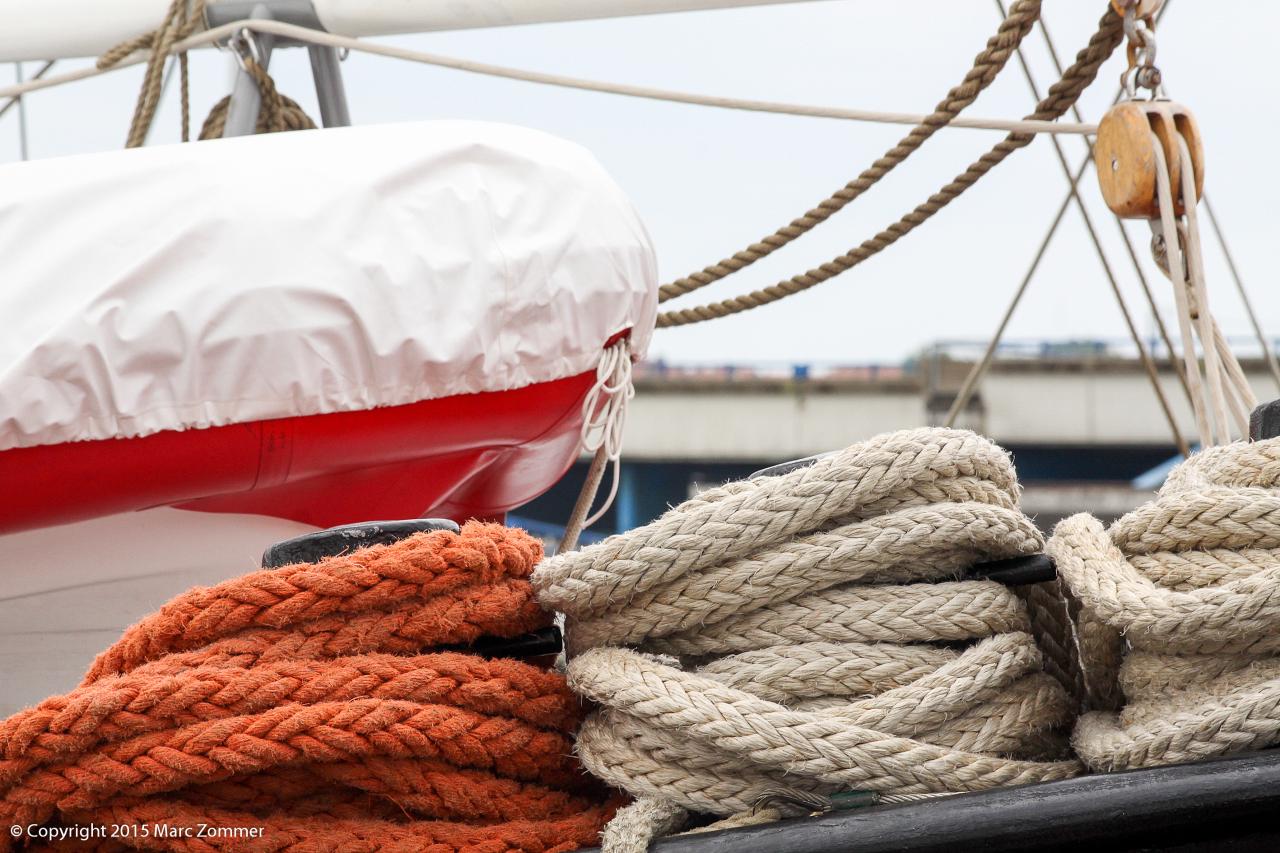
(304,701)
(812,633)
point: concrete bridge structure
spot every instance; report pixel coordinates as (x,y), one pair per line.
(1081,426)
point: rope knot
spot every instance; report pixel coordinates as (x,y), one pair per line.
(276,114)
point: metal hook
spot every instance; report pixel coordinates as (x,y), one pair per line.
(1142,71)
(1160,251)
(244,45)
(1142,77)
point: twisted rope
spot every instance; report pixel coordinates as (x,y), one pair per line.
(1182,601)
(986,66)
(807,633)
(300,700)
(276,114)
(1060,98)
(181,20)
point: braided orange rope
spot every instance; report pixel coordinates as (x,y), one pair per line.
(299,701)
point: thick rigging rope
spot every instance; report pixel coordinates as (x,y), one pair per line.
(182,19)
(277,113)
(808,634)
(1061,96)
(1014,27)
(1180,607)
(307,701)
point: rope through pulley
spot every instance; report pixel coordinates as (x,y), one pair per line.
(1150,162)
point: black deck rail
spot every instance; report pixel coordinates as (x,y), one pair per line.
(1230,804)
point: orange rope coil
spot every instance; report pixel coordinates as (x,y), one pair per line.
(295,709)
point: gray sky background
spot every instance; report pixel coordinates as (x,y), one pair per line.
(707,182)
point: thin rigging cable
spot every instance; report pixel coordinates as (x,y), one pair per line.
(1148,365)
(23,150)
(310,36)
(13,101)
(979,369)
(983,364)
(1171,354)
(1268,351)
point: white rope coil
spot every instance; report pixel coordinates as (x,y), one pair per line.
(1182,601)
(808,632)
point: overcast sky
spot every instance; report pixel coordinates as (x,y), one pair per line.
(707,182)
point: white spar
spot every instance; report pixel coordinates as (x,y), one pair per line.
(58,29)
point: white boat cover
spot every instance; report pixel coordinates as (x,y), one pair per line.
(198,285)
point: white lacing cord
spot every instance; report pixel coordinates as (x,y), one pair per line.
(604,414)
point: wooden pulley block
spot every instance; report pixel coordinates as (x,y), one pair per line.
(1146,8)
(1124,155)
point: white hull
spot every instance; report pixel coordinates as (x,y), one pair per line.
(67,592)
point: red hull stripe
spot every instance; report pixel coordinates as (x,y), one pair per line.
(472,455)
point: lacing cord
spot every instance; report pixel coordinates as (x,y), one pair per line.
(604,415)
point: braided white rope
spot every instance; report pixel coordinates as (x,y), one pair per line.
(896,470)
(1223,389)
(805,613)
(1191,582)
